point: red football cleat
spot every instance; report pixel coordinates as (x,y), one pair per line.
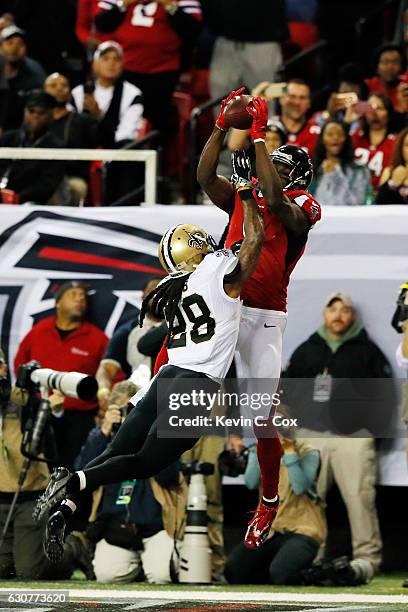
(260,525)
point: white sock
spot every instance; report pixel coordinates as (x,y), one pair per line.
(82,480)
(70,504)
(270,501)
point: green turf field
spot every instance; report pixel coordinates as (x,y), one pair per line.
(390,584)
(384,594)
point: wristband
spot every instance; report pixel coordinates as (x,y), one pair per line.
(103,392)
(259,140)
(245,193)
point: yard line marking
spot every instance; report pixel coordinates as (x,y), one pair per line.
(148,603)
(230,596)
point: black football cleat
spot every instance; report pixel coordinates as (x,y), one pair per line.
(53,494)
(54,537)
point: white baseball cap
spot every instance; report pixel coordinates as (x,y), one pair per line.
(106,46)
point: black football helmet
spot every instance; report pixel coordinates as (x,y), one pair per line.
(296,158)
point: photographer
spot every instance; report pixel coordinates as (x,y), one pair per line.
(137,522)
(21,553)
(402,350)
(401,321)
(298,529)
(68,342)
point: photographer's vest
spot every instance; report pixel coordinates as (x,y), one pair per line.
(11,459)
(173,504)
(301,514)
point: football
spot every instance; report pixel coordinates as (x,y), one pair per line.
(236,115)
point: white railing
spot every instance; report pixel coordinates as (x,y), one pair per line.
(148,156)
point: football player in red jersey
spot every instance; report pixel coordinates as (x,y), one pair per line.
(288,213)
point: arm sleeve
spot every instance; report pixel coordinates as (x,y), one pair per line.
(310,207)
(83,20)
(109,18)
(117,347)
(151,342)
(187,21)
(302,471)
(95,444)
(130,121)
(252,475)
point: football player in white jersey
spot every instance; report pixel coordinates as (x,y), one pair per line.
(201,303)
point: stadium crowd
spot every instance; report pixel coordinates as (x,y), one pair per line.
(123,69)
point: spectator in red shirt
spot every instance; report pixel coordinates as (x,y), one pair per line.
(67,342)
(391,64)
(374,143)
(295,105)
(152,35)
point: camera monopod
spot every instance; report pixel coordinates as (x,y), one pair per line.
(195,554)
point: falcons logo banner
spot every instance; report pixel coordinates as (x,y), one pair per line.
(113,250)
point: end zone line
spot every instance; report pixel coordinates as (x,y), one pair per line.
(216,595)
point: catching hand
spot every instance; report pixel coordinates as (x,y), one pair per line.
(220,121)
(242,171)
(258,109)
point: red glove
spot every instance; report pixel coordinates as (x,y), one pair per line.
(220,121)
(258,109)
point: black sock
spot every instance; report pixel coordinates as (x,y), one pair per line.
(271,504)
(67,510)
(73,484)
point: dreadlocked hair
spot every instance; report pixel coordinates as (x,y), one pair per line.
(165,299)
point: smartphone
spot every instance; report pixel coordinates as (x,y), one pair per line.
(348,99)
(275,90)
(363,107)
